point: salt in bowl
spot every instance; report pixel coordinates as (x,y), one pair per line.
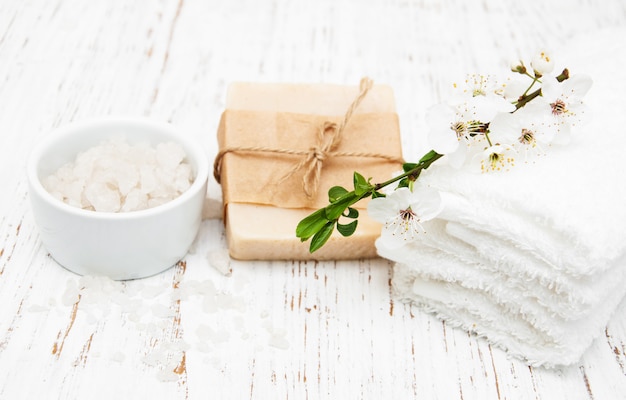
(119,245)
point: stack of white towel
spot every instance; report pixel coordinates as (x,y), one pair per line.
(533,259)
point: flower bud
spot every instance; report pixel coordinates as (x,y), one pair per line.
(518,66)
(542,63)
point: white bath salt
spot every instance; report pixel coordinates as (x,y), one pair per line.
(220,260)
(119,298)
(37,308)
(182,345)
(203,347)
(118,356)
(133,307)
(205,332)
(209,305)
(168,375)
(150,292)
(179,294)
(153,359)
(228,301)
(207,288)
(116,176)
(279,341)
(71,293)
(162,311)
(134,317)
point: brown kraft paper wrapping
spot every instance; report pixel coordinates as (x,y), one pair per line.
(256,176)
(262,208)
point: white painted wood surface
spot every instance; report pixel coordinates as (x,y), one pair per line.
(271,330)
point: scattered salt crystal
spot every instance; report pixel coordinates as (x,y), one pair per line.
(37,308)
(91,319)
(279,341)
(220,260)
(149,292)
(134,317)
(209,305)
(207,288)
(167,376)
(215,336)
(116,176)
(153,358)
(161,311)
(91,297)
(71,293)
(203,347)
(238,322)
(161,324)
(204,331)
(182,345)
(118,298)
(131,306)
(229,301)
(179,294)
(118,356)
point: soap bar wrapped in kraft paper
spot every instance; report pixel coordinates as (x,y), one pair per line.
(282,147)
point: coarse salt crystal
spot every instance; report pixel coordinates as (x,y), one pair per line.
(116,176)
(220,260)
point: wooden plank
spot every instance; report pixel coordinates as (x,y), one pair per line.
(271,329)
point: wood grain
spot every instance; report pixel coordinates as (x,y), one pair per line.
(279,330)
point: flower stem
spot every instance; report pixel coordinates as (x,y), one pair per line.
(527,98)
(414,172)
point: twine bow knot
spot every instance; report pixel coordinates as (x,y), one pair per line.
(328,138)
(313,162)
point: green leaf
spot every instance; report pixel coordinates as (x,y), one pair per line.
(404,182)
(361,185)
(378,194)
(334,210)
(406,167)
(347,229)
(312,224)
(352,213)
(429,156)
(321,237)
(335,193)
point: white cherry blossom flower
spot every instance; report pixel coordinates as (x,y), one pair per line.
(530,130)
(459,123)
(495,158)
(402,213)
(563,101)
(514,89)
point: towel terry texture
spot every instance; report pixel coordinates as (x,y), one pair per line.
(533,259)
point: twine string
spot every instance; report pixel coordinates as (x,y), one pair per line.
(328,138)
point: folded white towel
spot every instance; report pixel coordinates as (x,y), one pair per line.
(533,259)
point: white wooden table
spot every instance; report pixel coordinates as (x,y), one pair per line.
(271,330)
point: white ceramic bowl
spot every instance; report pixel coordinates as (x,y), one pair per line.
(124,245)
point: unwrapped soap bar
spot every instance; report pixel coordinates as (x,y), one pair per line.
(264,198)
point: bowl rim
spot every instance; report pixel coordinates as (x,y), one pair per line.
(194,153)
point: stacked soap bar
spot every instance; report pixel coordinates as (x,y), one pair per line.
(263,196)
